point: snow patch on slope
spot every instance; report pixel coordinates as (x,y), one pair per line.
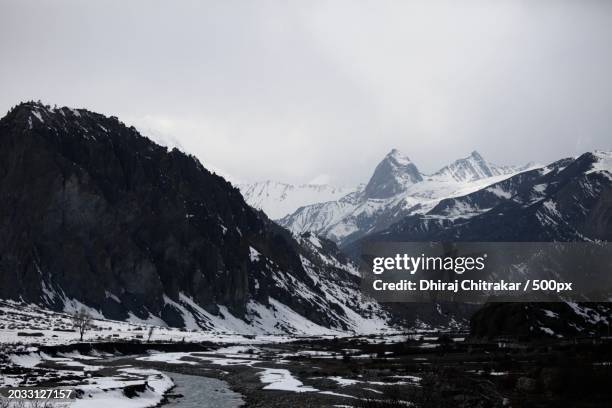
(278,199)
(603,163)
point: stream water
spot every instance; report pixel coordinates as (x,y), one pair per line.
(202,392)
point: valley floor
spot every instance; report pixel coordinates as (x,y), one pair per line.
(419,370)
(118,366)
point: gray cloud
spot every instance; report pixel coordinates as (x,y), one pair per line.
(297,91)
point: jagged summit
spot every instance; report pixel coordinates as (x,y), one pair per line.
(72,122)
(567,200)
(396,189)
(395,175)
(472,168)
(392,175)
(43,113)
(476,154)
(397,156)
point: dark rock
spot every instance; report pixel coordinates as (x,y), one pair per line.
(391,176)
(551,379)
(526,384)
(92,211)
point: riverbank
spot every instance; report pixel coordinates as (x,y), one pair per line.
(423,369)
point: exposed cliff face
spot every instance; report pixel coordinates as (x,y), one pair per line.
(392,176)
(91,212)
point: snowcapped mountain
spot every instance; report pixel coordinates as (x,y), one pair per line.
(472,168)
(92,214)
(568,200)
(393,175)
(396,189)
(278,199)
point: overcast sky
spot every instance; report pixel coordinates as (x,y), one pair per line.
(310,90)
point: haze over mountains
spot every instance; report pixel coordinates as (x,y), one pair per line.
(396,189)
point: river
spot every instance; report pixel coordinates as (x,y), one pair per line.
(202,392)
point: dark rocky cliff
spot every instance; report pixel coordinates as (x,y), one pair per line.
(92,212)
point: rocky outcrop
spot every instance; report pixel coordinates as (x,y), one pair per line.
(392,175)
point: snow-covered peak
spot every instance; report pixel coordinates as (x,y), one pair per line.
(472,168)
(278,199)
(396,190)
(398,157)
(392,175)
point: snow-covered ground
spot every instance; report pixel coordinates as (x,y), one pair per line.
(29,324)
(111,379)
(25,325)
(94,386)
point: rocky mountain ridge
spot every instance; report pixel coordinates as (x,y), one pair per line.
(569,200)
(93,214)
(397,189)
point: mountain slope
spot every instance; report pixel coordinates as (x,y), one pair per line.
(280,199)
(474,167)
(396,190)
(92,213)
(568,201)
